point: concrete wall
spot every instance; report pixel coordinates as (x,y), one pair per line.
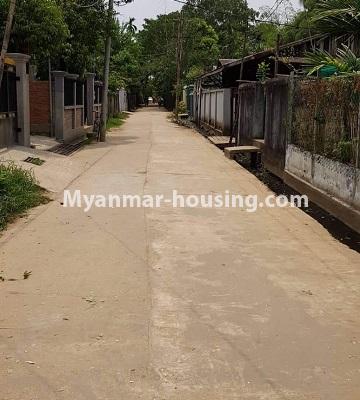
(335,178)
(39,107)
(332,185)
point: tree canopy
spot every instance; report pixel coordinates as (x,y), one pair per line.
(64,31)
(159,41)
(71,34)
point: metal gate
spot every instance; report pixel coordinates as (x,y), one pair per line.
(8,109)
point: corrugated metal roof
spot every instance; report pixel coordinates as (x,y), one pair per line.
(263,54)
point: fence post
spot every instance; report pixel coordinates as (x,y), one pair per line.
(22,92)
(289,138)
(73,78)
(59,104)
(357,161)
(90,93)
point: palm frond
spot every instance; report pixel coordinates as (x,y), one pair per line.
(337,16)
(345,61)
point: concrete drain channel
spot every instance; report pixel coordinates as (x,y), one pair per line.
(66,149)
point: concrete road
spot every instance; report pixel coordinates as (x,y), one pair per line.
(165,304)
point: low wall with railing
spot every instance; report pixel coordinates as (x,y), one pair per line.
(69,107)
(73,122)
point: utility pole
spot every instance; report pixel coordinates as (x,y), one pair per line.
(179,54)
(235,124)
(245,42)
(6,39)
(104,108)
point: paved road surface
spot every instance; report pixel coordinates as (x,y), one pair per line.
(165,304)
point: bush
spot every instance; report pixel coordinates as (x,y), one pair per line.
(344,151)
(181,108)
(18,192)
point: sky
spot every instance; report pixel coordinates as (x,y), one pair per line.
(141,9)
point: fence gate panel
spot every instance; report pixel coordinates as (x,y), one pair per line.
(251,111)
(276,95)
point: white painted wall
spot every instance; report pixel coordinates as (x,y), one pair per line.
(335,178)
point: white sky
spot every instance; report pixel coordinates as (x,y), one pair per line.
(141,9)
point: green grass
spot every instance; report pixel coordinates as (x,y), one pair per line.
(116,121)
(19,191)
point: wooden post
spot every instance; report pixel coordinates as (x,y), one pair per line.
(276,70)
(74,91)
(179,50)
(51,100)
(357,161)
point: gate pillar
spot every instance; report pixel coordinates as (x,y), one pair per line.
(22,92)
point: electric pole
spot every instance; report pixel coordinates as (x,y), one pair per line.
(6,39)
(104,108)
(179,54)
(245,41)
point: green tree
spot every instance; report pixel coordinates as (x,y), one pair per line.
(39,29)
(125,68)
(302,24)
(68,32)
(232,20)
(84,47)
(158,39)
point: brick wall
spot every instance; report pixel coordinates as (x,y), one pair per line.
(73,126)
(69,120)
(39,107)
(79,119)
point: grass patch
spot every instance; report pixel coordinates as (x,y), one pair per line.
(19,191)
(116,121)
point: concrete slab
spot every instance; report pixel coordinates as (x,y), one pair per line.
(57,171)
(220,141)
(173,304)
(230,152)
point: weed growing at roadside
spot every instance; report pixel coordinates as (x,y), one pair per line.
(19,191)
(116,121)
